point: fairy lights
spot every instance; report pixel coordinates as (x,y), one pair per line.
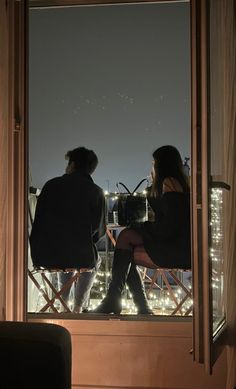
(216,252)
(160,300)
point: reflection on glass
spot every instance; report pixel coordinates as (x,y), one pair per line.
(217,254)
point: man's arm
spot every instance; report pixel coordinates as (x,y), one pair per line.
(43,201)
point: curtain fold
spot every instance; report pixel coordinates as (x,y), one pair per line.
(223,151)
(227,14)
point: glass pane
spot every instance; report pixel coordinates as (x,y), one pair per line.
(217,254)
(218,191)
(216,106)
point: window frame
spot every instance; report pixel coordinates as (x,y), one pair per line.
(17,242)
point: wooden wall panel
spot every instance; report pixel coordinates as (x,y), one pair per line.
(140,355)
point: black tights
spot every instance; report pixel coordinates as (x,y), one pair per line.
(130,239)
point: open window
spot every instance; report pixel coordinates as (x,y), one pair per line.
(209,185)
(117,81)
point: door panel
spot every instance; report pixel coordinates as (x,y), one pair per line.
(17,162)
(199,160)
(209,189)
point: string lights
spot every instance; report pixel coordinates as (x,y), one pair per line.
(160,299)
(216,252)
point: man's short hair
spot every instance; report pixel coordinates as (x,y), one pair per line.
(84,159)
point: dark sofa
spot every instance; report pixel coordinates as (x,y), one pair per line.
(34,356)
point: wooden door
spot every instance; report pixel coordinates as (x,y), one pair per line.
(210,190)
(16,162)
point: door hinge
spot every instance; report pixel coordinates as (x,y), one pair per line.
(17,127)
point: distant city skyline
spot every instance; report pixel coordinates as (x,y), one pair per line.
(115,79)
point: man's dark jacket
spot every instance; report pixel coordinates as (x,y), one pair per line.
(69,220)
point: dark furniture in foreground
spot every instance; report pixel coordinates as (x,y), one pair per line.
(34,356)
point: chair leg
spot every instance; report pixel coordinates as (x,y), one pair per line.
(38,286)
(56,293)
(178,282)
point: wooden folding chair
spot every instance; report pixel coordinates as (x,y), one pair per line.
(172,279)
(165,278)
(162,279)
(48,290)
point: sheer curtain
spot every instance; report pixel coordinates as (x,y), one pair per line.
(223,150)
(227,24)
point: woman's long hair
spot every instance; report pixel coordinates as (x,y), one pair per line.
(168,163)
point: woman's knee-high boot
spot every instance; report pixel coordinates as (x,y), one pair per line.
(136,287)
(120,268)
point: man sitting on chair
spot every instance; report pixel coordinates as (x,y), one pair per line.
(69,221)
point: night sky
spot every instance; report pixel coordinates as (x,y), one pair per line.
(112,78)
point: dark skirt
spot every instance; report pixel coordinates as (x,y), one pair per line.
(166,252)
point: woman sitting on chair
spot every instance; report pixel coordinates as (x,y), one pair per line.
(164,243)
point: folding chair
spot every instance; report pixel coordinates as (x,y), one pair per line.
(162,278)
(173,278)
(169,278)
(48,290)
(43,283)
